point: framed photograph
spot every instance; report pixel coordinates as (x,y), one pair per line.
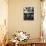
(28,13)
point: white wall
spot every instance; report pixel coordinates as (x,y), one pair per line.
(16,21)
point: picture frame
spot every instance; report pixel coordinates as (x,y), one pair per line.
(28,13)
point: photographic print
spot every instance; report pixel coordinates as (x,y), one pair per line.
(28,13)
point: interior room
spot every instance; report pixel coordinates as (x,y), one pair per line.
(22,22)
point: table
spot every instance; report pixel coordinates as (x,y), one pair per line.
(35,42)
(29,44)
(32,42)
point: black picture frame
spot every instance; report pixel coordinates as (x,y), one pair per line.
(28,13)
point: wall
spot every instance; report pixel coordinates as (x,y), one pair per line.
(16,21)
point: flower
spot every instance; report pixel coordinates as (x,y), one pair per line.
(21,36)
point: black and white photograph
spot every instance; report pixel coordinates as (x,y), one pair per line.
(28,13)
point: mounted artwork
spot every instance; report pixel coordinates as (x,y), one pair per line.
(28,13)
